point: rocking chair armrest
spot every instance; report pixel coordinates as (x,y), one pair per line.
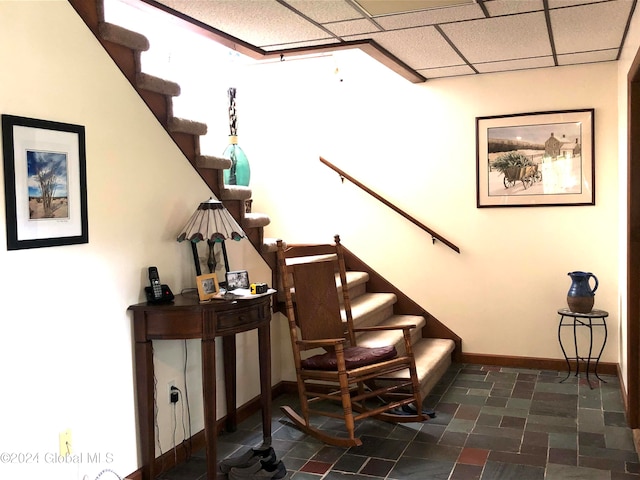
(325,342)
(383,327)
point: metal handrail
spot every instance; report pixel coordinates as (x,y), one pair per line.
(434,236)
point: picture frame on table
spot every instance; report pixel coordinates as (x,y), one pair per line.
(237,279)
(45,183)
(536,159)
(208,286)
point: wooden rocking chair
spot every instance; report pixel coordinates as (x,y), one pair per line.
(364,380)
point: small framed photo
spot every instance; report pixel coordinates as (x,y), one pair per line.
(237,279)
(208,286)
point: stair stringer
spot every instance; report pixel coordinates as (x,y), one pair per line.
(125,48)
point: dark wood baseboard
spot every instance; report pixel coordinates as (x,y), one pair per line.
(535,363)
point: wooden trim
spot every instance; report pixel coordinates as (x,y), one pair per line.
(368,46)
(633,244)
(534,363)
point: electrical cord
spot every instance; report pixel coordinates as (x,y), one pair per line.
(189,449)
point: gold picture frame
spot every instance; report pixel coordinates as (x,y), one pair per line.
(208,286)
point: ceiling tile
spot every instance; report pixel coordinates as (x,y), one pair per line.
(438,53)
(509,7)
(519,64)
(260,23)
(501,38)
(351,27)
(601,26)
(447,71)
(430,17)
(326,10)
(588,57)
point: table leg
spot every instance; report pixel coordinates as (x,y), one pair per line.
(604,341)
(563,350)
(575,346)
(264,346)
(209,397)
(144,391)
(229,357)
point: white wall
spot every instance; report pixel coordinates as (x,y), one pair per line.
(66,348)
(415,145)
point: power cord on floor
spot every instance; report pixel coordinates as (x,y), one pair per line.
(106,470)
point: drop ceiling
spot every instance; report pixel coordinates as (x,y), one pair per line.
(421,39)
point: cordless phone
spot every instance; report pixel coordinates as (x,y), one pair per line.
(157,292)
(156,287)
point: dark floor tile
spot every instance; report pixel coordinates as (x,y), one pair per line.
(313,466)
(377,467)
(615,419)
(518,458)
(473,456)
(350,463)
(497,401)
(379,447)
(511,471)
(512,422)
(563,456)
(466,472)
(587,439)
(409,468)
(502,444)
(456,439)
(468,412)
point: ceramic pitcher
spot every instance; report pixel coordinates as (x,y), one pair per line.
(580,297)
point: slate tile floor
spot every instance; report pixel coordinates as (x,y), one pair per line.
(492,423)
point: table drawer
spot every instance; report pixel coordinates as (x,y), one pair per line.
(239,320)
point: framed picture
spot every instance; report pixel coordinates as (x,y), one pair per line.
(45,183)
(208,286)
(237,279)
(535,159)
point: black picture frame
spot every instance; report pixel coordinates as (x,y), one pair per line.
(45,183)
(237,279)
(560,149)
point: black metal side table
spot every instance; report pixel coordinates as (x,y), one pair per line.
(583,320)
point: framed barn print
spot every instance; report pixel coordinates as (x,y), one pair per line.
(535,159)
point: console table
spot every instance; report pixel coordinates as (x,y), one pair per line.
(583,320)
(187,318)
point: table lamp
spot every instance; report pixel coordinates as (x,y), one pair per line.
(211,222)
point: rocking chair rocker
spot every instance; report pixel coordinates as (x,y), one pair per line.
(360,379)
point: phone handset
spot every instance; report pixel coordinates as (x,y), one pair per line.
(157,292)
(156,286)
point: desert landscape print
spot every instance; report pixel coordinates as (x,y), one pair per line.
(48,185)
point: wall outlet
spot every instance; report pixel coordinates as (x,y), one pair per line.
(172,383)
(64,440)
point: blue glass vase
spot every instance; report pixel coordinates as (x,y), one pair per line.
(240,171)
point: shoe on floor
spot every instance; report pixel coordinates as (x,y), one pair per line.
(262,470)
(248,458)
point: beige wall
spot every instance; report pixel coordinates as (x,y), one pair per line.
(66,343)
(67,352)
(415,145)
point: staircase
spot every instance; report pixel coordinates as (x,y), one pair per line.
(125,48)
(374,301)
